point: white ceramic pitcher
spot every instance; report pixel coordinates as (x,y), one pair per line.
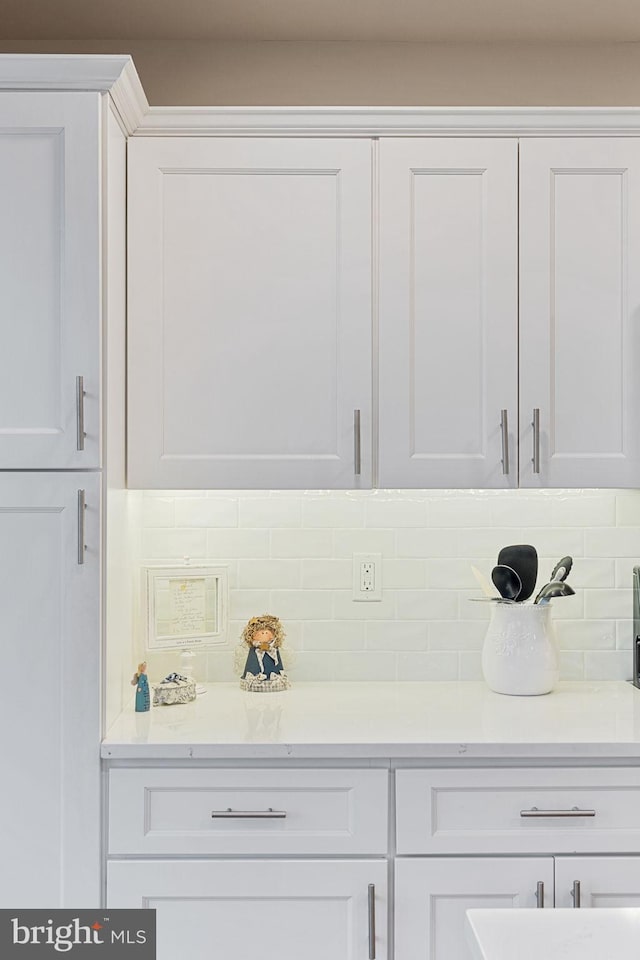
(520,656)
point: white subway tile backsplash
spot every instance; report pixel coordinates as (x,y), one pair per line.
(291,553)
(612,665)
(173,544)
(427,543)
(270,513)
(579,509)
(237,543)
(333,635)
(367,665)
(627,510)
(269,573)
(586,634)
(624,635)
(469,666)
(613,542)
(328,574)
(624,571)
(396,513)
(427,666)
(460,511)
(158,512)
(607,603)
(456,634)
(345,608)
(448,573)
(381,635)
(301,604)
(403,574)
(330,512)
(301,543)
(348,542)
(572,665)
(244,604)
(427,605)
(204,512)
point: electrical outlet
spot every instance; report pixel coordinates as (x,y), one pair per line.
(367,576)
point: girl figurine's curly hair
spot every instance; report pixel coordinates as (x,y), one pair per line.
(265,622)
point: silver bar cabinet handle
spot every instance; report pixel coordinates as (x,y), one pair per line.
(372,920)
(575,893)
(357,449)
(573,812)
(540,894)
(82,506)
(535,423)
(504,429)
(80,434)
(229,814)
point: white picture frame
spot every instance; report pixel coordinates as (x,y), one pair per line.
(185,606)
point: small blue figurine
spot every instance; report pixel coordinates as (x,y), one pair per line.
(141,683)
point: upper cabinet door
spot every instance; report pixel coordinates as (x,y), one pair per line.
(249,313)
(448,313)
(50,298)
(579,311)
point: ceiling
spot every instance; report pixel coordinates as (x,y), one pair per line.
(362,20)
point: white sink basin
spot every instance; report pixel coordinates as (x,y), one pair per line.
(560,934)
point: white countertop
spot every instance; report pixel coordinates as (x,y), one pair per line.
(386,720)
(603,934)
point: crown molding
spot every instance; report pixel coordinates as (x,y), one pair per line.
(389,121)
(115,75)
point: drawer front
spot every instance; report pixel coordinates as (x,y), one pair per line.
(518,811)
(227,811)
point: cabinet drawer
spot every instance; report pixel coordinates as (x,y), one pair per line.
(247,811)
(518,811)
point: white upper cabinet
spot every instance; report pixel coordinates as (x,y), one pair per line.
(579,310)
(50,295)
(448,322)
(249,313)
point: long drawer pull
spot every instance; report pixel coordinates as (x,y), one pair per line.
(230,814)
(371,901)
(82,506)
(573,812)
(504,432)
(80,395)
(540,894)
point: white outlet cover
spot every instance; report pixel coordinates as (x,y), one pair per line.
(374,594)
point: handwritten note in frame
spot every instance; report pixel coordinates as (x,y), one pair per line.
(186,606)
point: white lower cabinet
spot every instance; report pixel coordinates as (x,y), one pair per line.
(432,895)
(49,710)
(597,881)
(272,909)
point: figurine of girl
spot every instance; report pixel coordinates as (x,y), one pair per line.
(141,683)
(263,669)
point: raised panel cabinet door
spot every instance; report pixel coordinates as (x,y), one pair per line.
(597,881)
(249,313)
(448,322)
(50,705)
(50,294)
(579,308)
(432,895)
(272,909)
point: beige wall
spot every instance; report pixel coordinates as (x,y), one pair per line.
(340,73)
